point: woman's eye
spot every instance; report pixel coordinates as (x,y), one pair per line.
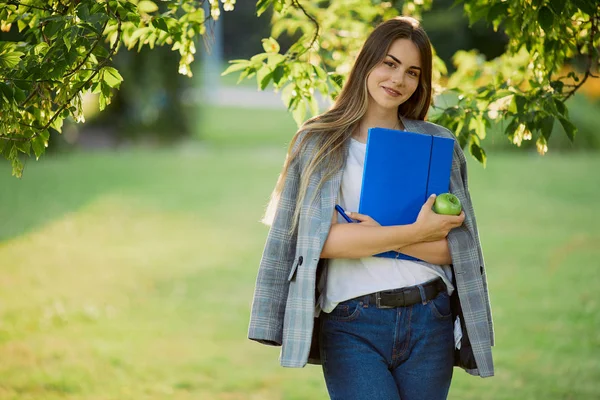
(413,73)
(389,64)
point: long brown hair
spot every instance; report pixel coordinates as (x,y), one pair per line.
(333,128)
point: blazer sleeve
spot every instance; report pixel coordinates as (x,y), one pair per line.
(272,285)
(463,241)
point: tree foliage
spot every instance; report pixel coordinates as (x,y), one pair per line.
(68,47)
(523,91)
(67,51)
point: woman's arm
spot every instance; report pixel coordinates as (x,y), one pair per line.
(432,252)
(364,239)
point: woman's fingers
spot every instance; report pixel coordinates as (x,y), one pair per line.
(357,216)
(429,203)
(457,220)
(361,217)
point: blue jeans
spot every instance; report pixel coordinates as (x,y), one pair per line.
(388,353)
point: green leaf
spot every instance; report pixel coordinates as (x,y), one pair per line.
(16,163)
(477,124)
(46,136)
(105,90)
(147,6)
(278,74)
(546,125)
(24,146)
(320,72)
(52,28)
(258,58)
(569,128)
(67,41)
(196,16)
(247,73)
(20,95)
(39,146)
(21,25)
(83,11)
(10,60)
(265,80)
(336,79)
(98,7)
(133,17)
(24,85)
(7,92)
(546,19)
(299,113)
(270,45)
(478,152)
(128,5)
(100,51)
(236,65)
(112,77)
(57,124)
(102,102)
(159,23)
(557,86)
(518,104)
(562,109)
(498,10)
(263,76)
(41,49)
(261,6)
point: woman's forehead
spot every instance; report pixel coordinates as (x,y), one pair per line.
(406,52)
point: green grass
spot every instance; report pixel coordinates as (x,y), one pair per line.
(129,275)
(239,127)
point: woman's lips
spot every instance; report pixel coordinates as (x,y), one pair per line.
(391,92)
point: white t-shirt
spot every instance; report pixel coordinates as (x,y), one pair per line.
(348,278)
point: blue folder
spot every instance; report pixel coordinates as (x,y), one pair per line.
(401,170)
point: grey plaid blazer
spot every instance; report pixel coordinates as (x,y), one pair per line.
(283,307)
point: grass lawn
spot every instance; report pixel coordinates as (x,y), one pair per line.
(226,127)
(129,275)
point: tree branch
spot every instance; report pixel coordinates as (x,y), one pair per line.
(18,3)
(89,53)
(590,59)
(296,4)
(83,85)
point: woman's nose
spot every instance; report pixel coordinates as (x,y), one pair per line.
(398,79)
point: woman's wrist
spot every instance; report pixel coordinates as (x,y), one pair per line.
(408,235)
(417,233)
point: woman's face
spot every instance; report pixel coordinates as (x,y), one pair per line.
(396,78)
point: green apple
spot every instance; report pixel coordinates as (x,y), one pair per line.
(447,204)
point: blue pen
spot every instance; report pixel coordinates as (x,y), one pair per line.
(343,214)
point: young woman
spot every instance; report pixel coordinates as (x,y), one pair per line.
(382,328)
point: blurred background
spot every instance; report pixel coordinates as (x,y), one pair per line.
(129,252)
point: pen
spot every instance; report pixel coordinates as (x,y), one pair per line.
(343,214)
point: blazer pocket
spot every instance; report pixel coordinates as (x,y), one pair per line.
(292,275)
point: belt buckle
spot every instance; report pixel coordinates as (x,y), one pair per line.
(378,301)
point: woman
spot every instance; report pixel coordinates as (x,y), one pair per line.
(382,328)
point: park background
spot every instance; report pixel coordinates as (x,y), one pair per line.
(129,252)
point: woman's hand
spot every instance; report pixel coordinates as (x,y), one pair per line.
(363,219)
(432,226)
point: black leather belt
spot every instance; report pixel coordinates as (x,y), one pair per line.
(407,296)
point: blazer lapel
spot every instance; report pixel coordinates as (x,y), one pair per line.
(329,195)
(410,126)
